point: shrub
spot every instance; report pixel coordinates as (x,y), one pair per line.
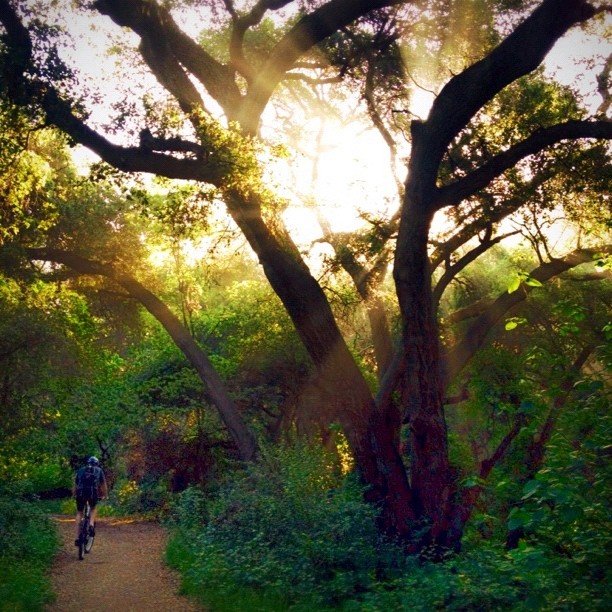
(149,497)
(28,541)
(290,530)
(292,534)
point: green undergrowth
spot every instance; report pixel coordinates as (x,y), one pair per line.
(28,542)
(292,534)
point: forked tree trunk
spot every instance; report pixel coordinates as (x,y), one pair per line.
(371,431)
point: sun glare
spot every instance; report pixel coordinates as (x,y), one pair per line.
(331,188)
(420,102)
(351,175)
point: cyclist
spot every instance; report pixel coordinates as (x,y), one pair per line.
(89,485)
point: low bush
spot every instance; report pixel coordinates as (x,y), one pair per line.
(147,498)
(293,534)
(290,530)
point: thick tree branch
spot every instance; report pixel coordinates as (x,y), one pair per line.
(171,76)
(519,54)
(304,78)
(366,281)
(469,312)
(128,159)
(227,409)
(161,35)
(25,89)
(308,31)
(451,195)
(241,25)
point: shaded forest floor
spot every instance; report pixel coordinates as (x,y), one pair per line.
(124,571)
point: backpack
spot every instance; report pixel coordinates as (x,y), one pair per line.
(87,483)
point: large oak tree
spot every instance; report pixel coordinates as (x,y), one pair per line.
(424,499)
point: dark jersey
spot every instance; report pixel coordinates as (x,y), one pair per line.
(88,480)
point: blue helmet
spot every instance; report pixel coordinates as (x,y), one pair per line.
(93,461)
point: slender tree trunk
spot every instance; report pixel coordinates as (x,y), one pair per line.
(381,337)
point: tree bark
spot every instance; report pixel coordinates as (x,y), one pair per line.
(421,384)
(371,430)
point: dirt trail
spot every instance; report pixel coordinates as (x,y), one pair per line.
(123,573)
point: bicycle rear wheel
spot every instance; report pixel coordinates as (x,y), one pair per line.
(89,542)
(84,532)
(82,538)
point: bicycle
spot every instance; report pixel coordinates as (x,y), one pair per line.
(86,539)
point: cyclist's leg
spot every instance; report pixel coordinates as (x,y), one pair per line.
(80,504)
(93,504)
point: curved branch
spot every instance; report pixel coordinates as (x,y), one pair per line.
(452,271)
(241,25)
(171,76)
(27,90)
(127,159)
(451,195)
(468,312)
(228,411)
(519,54)
(458,356)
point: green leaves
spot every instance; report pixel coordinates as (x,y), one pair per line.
(474,481)
(514,284)
(531,488)
(514,322)
(523,277)
(290,527)
(28,541)
(570,314)
(518,518)
(519,279)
